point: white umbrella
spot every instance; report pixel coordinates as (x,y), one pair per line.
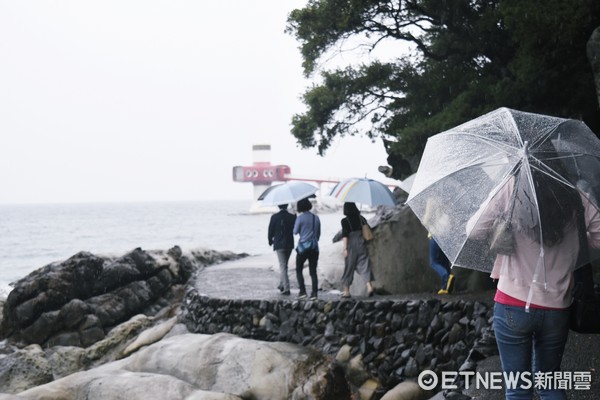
(286,193)
(406,184)
(364,191)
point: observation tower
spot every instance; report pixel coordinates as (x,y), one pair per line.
(263,174)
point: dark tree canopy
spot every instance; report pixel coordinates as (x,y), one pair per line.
(469,57)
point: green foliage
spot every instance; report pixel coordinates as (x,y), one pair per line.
(471,56)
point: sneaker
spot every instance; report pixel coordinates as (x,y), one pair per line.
(314,296)
(450,284)
(285,293)
(442,291)
(302,295)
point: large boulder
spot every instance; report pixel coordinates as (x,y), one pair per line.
(220,366)
(400,253)
(76,302)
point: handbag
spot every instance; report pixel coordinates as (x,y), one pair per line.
(367,233)
(585,309)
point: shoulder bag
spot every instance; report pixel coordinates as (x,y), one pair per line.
(367,233)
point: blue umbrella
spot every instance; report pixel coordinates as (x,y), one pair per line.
(364,191)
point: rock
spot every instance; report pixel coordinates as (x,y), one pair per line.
(23,369)
(368,389)
(150,336)
(412,369)
(400,253)
(4,396)
(407,390)
(205,395)
(183,366)
(344,353)
(357,374)
(75,302)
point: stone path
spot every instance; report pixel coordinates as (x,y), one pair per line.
(257,277)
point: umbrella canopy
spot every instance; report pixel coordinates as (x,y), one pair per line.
(528,172)
(364,191)
(406,184)
(285,193)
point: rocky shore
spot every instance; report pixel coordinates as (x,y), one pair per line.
(208,325)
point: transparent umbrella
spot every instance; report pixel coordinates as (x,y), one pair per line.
(508,169)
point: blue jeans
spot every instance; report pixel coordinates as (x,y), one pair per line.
(439,262)
(536,337)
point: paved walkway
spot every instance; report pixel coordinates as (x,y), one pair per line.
(256,277)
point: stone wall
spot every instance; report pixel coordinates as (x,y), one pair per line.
(393,339)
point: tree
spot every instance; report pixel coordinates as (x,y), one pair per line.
(468,57)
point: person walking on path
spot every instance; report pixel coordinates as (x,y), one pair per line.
(531,317)
(441,265)
(281,237)
(356,253)
(308,227)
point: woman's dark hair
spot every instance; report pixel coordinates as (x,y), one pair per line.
(558,203)
(304,205)
(350,208)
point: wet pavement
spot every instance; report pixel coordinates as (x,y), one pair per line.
(257,277)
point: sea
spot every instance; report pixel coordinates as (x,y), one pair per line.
(34,235)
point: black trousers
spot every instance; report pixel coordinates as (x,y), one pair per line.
(313,258)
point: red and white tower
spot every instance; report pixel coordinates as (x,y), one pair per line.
(261,173)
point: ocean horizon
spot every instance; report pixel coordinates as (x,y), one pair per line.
(35,235)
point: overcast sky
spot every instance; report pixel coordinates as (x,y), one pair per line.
(152,100)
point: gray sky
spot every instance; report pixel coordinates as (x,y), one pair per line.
(152,100)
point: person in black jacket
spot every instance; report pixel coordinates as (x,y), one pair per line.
(281,237)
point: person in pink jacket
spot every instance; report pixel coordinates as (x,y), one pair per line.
(534,292)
